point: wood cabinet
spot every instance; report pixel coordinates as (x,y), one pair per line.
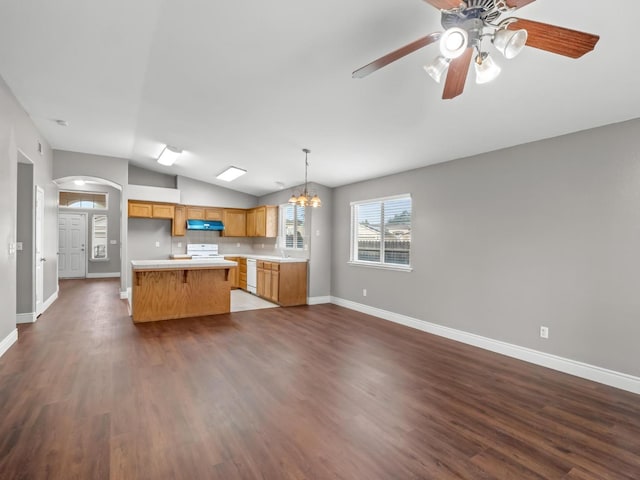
(179,226)
(242,265)
(204,213)
(251,222)
(234,273)
(213,213)
(140,210)
(195,213)
(150,210)
(282,283)
(262,221)
(161,210)
(235,222)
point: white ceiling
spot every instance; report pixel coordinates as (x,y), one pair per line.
(250,83)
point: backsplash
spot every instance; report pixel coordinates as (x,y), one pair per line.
(234,245)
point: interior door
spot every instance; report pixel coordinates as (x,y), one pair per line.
(72,234)
(39,258)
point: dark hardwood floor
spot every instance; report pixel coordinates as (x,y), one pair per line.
(316,392)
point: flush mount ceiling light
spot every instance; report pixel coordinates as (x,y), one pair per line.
(305,199)
(467,24)
(231,173)
(169,155)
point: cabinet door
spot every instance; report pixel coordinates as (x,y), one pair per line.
(235,222)
(178,228)
(260,281)
(162,211)
(260,218)
(141,210)
(271,222)
(267,284)
(275,286)
(195,213)
(212,213)
(251,223)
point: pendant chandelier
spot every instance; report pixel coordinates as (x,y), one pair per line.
(305,199)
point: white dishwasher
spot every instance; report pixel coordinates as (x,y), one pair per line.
(251,275)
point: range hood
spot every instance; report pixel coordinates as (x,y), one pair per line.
(212,225)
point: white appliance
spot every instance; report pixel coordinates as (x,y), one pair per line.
(203,250)
(252,274)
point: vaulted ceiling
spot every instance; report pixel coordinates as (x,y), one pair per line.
(250,83)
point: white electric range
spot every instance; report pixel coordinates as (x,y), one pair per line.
(203,250)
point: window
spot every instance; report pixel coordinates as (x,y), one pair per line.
(99,237)
(292,226)
(93,200)
(381,232)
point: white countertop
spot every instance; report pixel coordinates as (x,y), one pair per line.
(270,258)
(173,264)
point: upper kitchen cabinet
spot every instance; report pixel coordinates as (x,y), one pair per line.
(262,222)
(179,226)
(204,213)
(150,210)
(235,222)
(213,213)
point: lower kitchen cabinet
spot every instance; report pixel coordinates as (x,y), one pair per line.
(234,273)
(242,265)
(282,283)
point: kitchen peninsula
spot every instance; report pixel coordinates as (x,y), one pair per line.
(168,289)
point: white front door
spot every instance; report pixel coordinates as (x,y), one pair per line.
(39,256)
(72,234)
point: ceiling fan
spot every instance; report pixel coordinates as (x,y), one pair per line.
(467,24)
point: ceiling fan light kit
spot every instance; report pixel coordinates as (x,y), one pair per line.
(509,42)
(466,24)
(437,67)
(486,69)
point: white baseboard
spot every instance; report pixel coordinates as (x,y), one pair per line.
(318,300)
(7,341)
(26,317)
(612,378)
(104,275)
(49,301)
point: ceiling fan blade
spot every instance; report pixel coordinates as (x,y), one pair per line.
(560,40)
(518,3)
(446,4)
(457,75)
(396,55)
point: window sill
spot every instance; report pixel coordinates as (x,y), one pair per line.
(382,266)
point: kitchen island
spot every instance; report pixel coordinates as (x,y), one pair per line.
(168,289)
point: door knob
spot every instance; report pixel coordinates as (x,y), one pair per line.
(42,259)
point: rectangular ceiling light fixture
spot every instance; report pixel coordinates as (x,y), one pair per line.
(169,155)
(231,173)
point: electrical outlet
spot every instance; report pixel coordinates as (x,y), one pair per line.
(179,244)
(364,292)
(238,245)
(157,244)
(544,332)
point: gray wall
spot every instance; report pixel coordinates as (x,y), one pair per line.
(195,192)
(318,230)
(142,176)
(25,301)
(113,265)
(18,132)
(546,233)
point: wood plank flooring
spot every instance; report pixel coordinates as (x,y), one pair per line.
(317,392)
